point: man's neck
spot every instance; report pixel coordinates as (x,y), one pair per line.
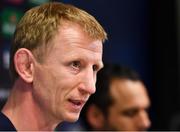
(24,112)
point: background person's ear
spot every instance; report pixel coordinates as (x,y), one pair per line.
(95,117)
(23,61)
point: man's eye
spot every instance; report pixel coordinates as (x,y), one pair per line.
(130,113)
(76,64)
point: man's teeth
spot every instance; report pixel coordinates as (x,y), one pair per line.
(75,102)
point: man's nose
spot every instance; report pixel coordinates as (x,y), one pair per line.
(88,82)
(144,122)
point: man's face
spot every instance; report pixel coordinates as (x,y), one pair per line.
(66,78)
(129,110)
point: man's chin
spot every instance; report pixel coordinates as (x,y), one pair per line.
(72,117)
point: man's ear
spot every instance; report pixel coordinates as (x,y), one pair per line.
(23,61)
(95,117)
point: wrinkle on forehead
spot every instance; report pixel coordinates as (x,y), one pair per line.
(94,46)
(74,34)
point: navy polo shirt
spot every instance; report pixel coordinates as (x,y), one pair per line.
(5,123)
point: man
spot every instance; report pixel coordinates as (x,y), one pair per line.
(55,56)
(120,102)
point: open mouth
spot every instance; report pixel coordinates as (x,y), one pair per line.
(76,102)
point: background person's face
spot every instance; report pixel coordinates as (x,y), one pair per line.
(66,79)
(129,111)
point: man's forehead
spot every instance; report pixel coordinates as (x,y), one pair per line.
(75,35)
(131,94)
(96,46)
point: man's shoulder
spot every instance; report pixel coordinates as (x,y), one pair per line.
(5,123)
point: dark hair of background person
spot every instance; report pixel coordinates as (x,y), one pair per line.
(102,98)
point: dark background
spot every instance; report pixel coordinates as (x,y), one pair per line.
(143,34)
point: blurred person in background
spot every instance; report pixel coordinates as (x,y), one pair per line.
(55,56)
(120,103)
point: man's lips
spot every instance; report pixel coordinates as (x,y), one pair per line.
(75,105)
(77,102)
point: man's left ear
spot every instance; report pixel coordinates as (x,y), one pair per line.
(95,117)
(23,61)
